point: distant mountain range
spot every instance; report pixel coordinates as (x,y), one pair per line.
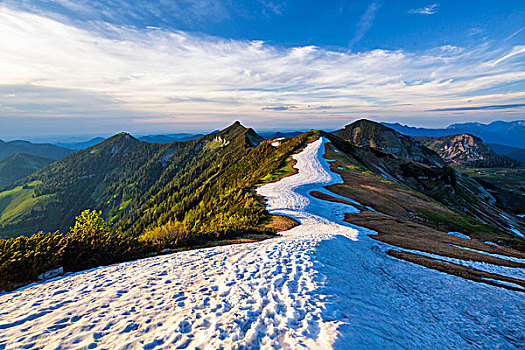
(511,152)
(38,149)
(498,132)
(77,146)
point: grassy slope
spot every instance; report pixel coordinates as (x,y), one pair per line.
(505,184)
(20,165)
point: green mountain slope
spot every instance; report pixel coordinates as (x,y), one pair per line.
(200,184)
(38,149)
(20,165)
(467,150)
(449,187)
(368,133)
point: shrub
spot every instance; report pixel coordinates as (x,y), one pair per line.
(90,242)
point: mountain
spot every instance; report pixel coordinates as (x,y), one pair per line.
(415,131)
(20,165)
(467,150)
(328,284)
(38,149)
(511,152)
(443,184)
(201,184)
(499,132)
(168,138)
(80,145)
(506,133)
(368,133)
(191,193)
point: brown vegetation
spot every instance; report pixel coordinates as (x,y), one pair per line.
(395,218)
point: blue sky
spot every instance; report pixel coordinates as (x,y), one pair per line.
(73,67)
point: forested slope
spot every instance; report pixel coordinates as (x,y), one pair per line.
(200,185)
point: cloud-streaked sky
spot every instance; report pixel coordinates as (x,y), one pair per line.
(88,67)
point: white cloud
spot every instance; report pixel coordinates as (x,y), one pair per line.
(155,75)
(365,22)
(427,10)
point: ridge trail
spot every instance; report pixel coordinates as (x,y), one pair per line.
(323,284)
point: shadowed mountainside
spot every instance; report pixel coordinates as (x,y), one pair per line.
(368,133)
(20,165)
(38,149)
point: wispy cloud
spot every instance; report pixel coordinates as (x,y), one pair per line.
(427,10)
(279,108)
(517,32)
(479,108)
(365,23)
(50,69)
(191,14)
(276,7)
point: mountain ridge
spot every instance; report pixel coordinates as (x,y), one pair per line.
(38,149)
(499,132)
(130,181)
(368,133)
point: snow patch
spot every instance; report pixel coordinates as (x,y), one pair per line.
(458,234)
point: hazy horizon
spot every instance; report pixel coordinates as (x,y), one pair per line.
(79,137)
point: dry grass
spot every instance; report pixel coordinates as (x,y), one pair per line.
(397,224)
(279,223)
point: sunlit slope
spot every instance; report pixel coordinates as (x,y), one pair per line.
(202,184)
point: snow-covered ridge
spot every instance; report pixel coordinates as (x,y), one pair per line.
(324,284)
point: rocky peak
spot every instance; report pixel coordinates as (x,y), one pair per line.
(368,133)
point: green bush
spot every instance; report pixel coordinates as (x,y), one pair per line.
(90,242)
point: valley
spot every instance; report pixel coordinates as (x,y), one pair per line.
(323,284)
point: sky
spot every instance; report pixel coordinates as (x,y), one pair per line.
(79,67)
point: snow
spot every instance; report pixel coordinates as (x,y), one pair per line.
(517,232)
(323,284)
(458,234)
(500,256)
(482,266)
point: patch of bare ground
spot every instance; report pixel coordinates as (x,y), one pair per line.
(459,270)
(279,223)
(245,238)
(396,224)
